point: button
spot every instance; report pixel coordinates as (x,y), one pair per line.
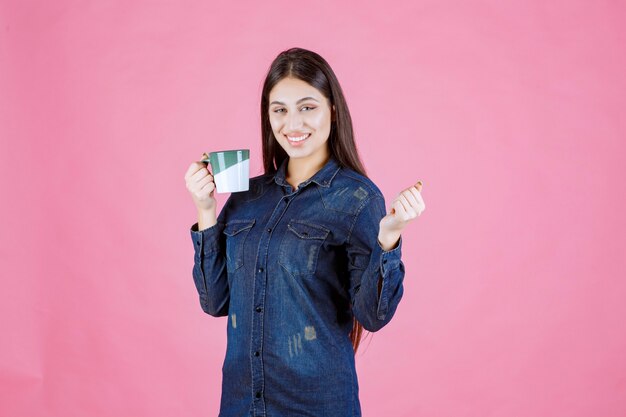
(384,261)
(198,242)
(258,309)
(258,394)
(256,353)
(269,229)
(260,269)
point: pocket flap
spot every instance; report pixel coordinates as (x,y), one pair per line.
(235,226)
(307,230)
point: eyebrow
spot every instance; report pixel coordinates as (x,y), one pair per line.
(302,99)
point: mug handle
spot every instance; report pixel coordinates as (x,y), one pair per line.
(206,161)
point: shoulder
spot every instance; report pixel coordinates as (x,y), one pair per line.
(350,191)
(347,177)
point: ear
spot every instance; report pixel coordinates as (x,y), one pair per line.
(333,114)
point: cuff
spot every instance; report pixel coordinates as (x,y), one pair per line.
(207,240)
(390,259)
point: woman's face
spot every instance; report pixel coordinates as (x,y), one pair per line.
(300,117)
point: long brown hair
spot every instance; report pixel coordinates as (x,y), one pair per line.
(310,67)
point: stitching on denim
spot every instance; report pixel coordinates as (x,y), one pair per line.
(358,213)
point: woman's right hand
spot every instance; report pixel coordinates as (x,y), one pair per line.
(201,187)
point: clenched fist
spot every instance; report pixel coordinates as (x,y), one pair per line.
(407,206)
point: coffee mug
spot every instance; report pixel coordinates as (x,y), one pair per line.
(231,170)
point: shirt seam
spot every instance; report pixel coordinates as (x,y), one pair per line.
(358,213)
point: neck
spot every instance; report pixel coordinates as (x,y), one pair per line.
(299,170)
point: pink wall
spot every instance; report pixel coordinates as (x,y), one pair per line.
(512,115)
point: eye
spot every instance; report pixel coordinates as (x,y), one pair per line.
(278,110)
(308,107)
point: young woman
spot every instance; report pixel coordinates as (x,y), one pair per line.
(305,259)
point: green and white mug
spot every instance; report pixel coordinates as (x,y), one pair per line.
(231,170)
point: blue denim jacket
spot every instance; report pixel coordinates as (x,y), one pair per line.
(290,269)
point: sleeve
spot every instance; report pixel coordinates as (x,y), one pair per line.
(375,275)
(209,268)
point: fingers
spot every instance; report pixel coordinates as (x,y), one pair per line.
(413,199)
(206,185)
(196,171)
(409,204)
(194,168)
(397,208)
(199,185)
(416,192)
(202,172)
(419,204)
(410,211)
(202,188)
(198,178)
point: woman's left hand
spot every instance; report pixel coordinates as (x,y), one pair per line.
(407,206)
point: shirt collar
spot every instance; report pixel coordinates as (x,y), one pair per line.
(323,177)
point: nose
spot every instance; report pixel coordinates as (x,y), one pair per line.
(294,121)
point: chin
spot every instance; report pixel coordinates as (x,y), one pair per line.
(296,155)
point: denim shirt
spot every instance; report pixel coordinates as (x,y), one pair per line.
(290,269)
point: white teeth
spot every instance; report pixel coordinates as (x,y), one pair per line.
(298,139)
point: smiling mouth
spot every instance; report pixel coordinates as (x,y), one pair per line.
(299,138)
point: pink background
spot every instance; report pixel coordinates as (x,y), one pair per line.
(512,113)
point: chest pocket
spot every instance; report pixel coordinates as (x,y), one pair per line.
(300,247)
(236,232)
